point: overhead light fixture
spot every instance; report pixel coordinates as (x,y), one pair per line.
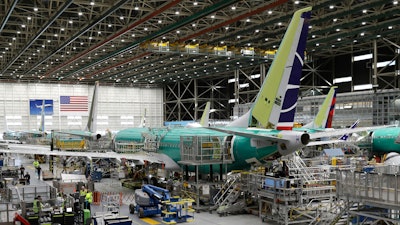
(245,85)
(255,76)
(232,80)
(362,57)
(342,80)
(362,87)
(385,63)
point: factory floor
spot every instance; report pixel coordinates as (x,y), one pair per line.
(108,185)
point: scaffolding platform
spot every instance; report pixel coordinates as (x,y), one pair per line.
(204,150)
(375,194)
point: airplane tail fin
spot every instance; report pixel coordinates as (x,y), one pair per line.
(143,121)
(42,114)
(206,116)
(344,137)
(276,102)
(91,125)
(326,112)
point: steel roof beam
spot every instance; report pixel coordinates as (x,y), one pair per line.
(7,16)
(240,17)
(37,35)
(116,35)
(79,33)
(208,10)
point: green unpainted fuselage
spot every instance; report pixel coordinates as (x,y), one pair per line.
(240,148)
(384,140)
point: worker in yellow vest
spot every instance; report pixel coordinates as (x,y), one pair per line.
(88,199)
(37,204)
(83,191)
(36,164)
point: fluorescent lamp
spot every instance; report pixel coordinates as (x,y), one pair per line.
(13,117)
(75,123)
(362,87)
(347,106)
(362,57)
(383,64)
(126,117)
(14,123)
(232,80)
(255,76)
(245,85)
(232,100)
(342,80)
(126,123)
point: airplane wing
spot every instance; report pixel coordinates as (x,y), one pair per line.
(316,143)
(83,134)
(138,157)
(249,134)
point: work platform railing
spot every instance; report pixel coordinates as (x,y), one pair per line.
(203,150)
(379,189)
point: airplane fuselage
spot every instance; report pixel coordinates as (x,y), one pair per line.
(238,148)
(386,140)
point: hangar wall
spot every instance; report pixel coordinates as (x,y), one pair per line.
(118,107)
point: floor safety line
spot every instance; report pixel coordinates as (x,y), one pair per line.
(150,221)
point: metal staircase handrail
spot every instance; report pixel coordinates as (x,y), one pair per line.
(299,164)
(218,198)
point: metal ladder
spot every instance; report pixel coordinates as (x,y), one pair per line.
(227,193)
(298,164)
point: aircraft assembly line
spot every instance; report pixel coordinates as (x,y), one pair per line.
(284,137)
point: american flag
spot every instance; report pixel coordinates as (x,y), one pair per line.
(73,103)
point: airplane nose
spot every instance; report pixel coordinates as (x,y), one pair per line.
(305,138)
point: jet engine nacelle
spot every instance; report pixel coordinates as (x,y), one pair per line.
(292,142)
(95,136)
